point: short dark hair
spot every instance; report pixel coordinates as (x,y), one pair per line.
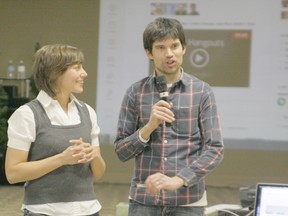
(162,28)
(50,62)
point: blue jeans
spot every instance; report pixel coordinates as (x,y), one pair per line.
(138,209)
(28,213)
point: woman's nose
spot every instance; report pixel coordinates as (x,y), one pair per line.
(83,74)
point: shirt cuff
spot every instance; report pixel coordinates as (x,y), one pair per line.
(185,182)
(143,140)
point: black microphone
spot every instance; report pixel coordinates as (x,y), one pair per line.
(161,85)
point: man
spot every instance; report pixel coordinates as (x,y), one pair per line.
(171,162)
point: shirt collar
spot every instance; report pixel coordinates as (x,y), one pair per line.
(184,78)
(46,100)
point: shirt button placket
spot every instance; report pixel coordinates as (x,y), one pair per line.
(165,158)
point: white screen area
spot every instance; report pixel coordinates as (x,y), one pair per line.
(273,201)
(239,47)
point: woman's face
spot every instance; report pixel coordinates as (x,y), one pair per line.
(72,80)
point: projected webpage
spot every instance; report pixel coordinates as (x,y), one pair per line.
(240,49)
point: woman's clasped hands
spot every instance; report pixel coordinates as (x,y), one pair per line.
(78,152)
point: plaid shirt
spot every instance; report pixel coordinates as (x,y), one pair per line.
(191,148)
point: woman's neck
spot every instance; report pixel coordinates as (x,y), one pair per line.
(63,100)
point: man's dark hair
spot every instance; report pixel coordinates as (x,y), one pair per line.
(161,29)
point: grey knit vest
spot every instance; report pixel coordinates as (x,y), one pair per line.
(70,182)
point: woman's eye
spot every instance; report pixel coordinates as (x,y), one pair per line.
(77,67)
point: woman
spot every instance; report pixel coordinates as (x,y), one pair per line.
(53,141)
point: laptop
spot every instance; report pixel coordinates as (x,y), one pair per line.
(271,199)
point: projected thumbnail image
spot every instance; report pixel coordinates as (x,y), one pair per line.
(284,15)
(219,57)
(174,9)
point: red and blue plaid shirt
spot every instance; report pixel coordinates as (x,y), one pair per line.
(191,148)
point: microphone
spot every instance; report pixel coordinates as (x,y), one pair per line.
(161,85)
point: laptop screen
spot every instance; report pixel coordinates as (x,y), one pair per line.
(271,200)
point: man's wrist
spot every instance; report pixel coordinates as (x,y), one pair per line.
(142,139)
(185,183)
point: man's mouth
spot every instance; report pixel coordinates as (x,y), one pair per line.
(170,63)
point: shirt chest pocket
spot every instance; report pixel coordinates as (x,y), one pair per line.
(186,122)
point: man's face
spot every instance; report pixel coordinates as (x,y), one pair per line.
(167,55)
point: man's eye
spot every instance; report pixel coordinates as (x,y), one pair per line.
(175,45)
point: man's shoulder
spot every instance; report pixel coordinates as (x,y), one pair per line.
(143,82)
(190,79)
